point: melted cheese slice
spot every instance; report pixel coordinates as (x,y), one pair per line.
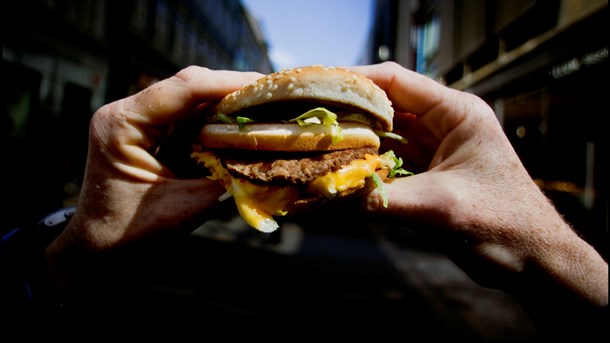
(258,204)
(351,176)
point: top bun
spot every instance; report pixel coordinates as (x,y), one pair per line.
(319,83)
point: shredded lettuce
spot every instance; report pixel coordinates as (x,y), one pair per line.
(223,118)
(392,135)
(242,121)
(356,117)
(397,169)
(380,188)
(321,116)
(316,116)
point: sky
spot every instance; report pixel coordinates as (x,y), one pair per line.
(307,32)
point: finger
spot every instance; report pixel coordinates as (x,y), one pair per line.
(139,122)
(172,98)
(440,108)
(408,90)
(208,85)
(186,203)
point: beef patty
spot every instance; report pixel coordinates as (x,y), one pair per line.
(289,168)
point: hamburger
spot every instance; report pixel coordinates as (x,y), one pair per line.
(297,139)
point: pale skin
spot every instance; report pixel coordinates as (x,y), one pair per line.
(475,190)
(470,185)
(128,195)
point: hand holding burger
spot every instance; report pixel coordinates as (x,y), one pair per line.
(472,196)
(296,139)
(128,195)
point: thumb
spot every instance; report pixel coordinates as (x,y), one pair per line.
(183,203)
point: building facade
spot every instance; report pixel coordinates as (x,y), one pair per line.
(63,59)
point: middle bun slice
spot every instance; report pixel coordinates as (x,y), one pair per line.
(287,137)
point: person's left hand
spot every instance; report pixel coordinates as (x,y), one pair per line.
(127,194)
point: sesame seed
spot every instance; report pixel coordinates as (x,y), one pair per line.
(268,96)
(291,86)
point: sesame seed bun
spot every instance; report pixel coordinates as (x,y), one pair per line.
(314,83)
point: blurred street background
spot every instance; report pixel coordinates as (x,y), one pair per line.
(541,65)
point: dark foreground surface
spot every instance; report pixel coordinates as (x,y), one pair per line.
(305,280)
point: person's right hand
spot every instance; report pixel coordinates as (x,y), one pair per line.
(128,196)
(472,192)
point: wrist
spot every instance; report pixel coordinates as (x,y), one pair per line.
(564,287)
(59,263)
(578,268)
